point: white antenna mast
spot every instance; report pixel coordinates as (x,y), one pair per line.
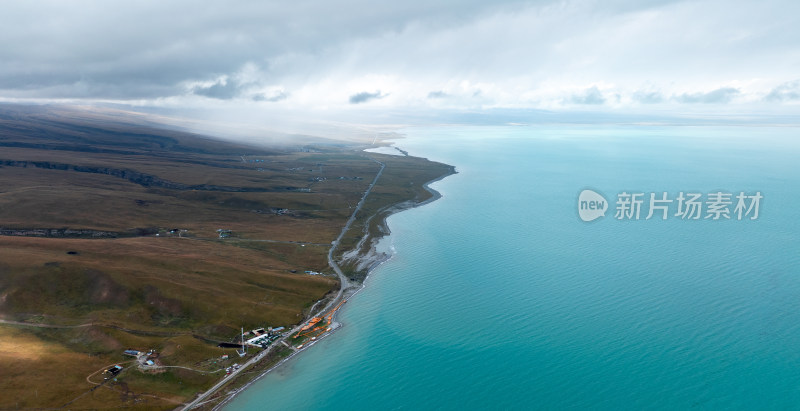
(244,347)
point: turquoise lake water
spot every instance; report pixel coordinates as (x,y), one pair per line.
(499,297)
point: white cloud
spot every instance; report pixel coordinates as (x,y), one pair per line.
(589,96)
(720,95)
(789,91)
(365,96)
(446,55)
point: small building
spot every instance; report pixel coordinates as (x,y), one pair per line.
(113,370)
(133,353)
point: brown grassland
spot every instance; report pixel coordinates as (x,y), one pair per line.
(109,241)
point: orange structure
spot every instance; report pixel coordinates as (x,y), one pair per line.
(311,323)
(329,317)
(314,321)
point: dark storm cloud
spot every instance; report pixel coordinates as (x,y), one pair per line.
(365,96)
(720,95)
(785,92)
(590,96)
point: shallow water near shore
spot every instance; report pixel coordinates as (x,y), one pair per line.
(498,296)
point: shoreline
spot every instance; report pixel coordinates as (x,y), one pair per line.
(372,259)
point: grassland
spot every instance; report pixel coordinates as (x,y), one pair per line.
(109,240)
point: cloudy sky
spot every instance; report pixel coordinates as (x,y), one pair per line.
(449,55)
